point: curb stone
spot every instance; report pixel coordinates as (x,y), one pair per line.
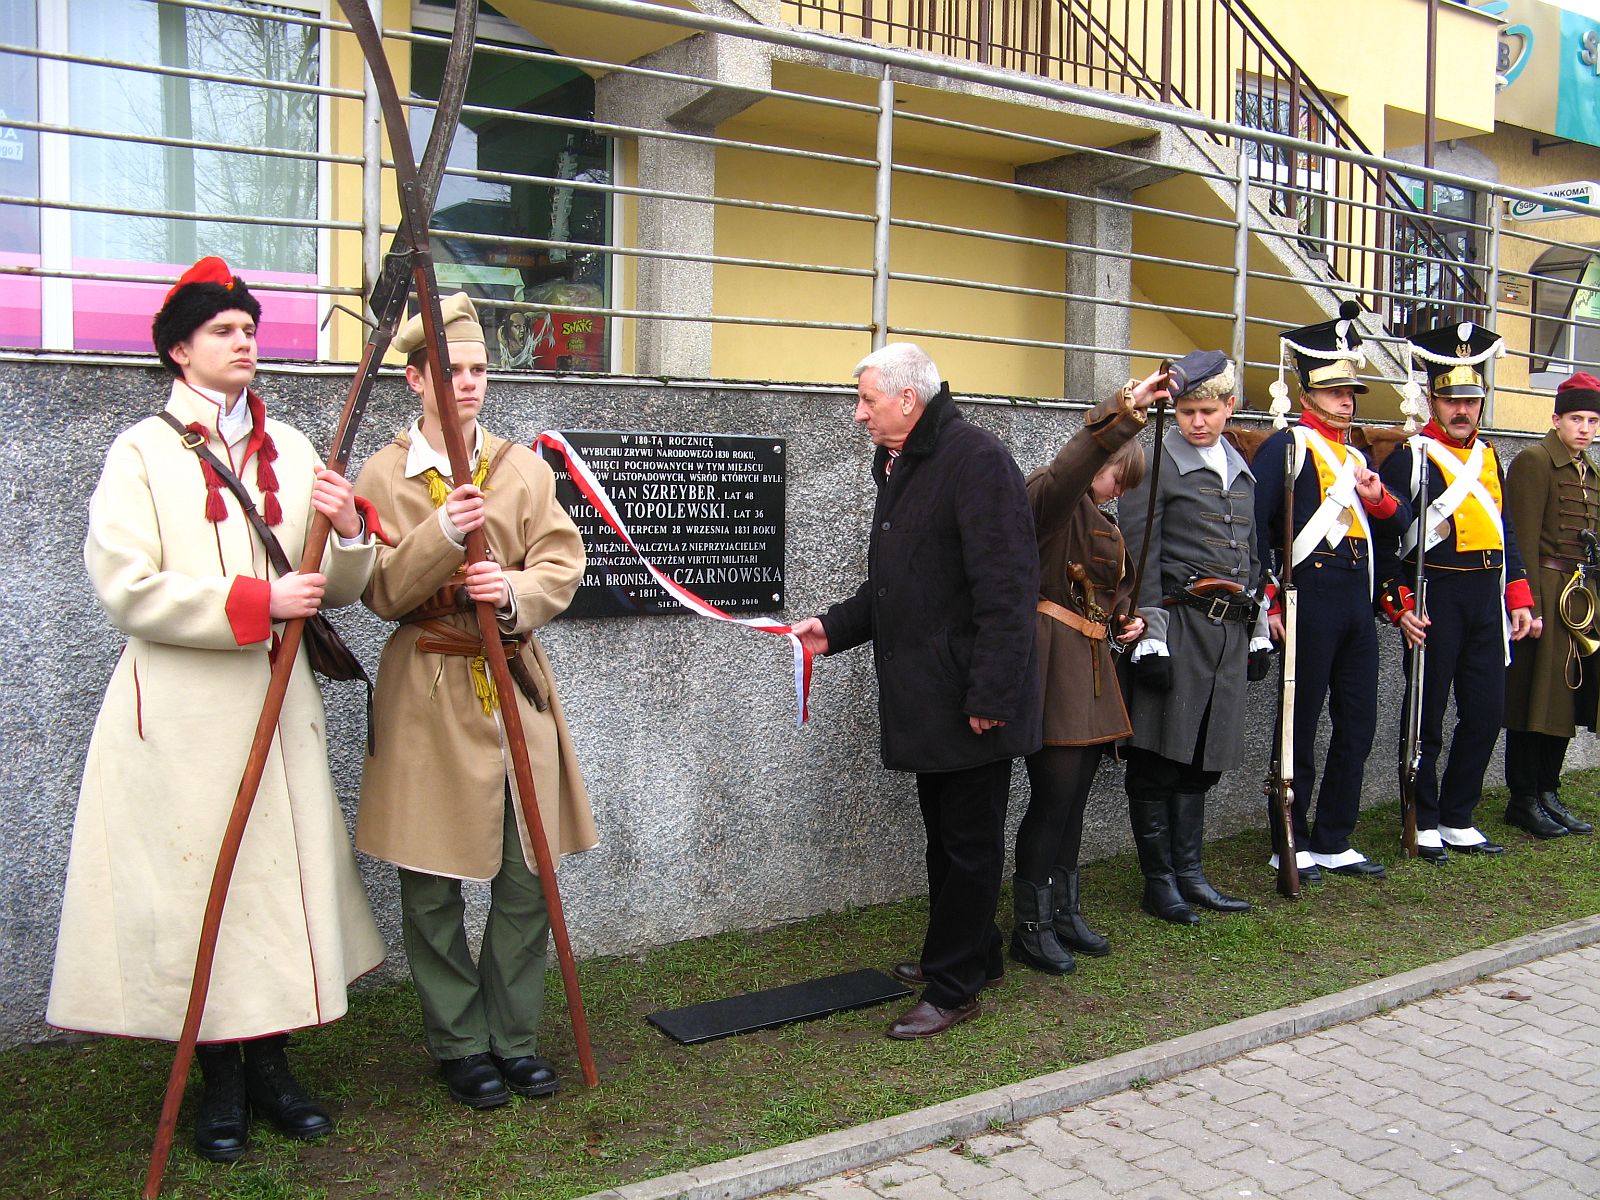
(752,1175)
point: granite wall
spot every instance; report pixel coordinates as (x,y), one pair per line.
(715,811)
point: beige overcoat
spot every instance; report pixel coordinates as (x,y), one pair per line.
(168,750)
(433,793)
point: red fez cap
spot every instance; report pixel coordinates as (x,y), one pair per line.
(1581,393)
(209,269)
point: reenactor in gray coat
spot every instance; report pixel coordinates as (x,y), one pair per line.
(1204,631)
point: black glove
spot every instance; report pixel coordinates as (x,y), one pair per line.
(1154,671)
(1260,661)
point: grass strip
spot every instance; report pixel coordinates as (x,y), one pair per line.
(77,1118)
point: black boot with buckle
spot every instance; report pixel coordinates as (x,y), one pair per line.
(277,1095)
(1033,936)
(222,1126)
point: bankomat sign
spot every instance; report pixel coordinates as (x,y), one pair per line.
(1582,191)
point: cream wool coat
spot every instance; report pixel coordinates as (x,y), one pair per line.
(433,796)
(169,748)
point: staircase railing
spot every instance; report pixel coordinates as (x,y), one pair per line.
(1217,58)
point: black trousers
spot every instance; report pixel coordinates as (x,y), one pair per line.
(1466,654)
(1051,833)
(1336,663)
(1534,761)
(964,813)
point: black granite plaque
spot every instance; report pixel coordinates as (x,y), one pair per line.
(706,508)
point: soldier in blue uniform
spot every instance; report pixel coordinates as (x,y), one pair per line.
(1478,598)
(1341,509)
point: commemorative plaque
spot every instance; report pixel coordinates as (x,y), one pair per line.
(706,509)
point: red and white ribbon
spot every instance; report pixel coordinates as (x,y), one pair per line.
(595,493)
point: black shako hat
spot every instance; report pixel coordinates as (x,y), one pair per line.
(204,290)
(1453,356)
(1327,353)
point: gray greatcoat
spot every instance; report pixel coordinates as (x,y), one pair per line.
(1202,526)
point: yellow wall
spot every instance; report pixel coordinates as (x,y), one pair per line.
(1371,56)
(806,355)
(1511,149)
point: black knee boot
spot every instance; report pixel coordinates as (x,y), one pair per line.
(1152,836)
(1033,937)
(1071,930)
(1188,835)
(277,1095)
(222,1126)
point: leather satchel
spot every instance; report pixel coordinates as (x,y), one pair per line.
(327,652)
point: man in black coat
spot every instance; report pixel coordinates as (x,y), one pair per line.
(948,604)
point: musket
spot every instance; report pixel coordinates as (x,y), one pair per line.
(477,549)
(1155,478)
(1416,660)
(1280,773)
(388,304)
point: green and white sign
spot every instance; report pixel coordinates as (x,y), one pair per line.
(1582,191)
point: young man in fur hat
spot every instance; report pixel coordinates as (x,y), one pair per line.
(1553,683)
(1340,508)
(437,797)
(1478,600)
(179,569)
(1204,635)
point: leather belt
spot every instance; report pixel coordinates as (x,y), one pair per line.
(1069,618)
(439,638)
(1565,565)
(1218,599)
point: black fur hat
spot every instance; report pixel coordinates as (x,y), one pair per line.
(204,290)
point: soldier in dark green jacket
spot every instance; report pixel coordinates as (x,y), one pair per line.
(1553,684)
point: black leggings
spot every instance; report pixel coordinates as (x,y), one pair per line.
(1051,833)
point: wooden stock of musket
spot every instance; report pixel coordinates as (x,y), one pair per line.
(1416,661)
(1280,781)
(388,303)
(477,546)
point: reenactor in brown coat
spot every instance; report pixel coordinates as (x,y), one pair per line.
(1085,608)
(1553,684)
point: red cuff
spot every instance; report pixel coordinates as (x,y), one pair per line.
(1396,602)
(1383,507)
(1274,607)
(369,514)
(250,609)
(1518,595)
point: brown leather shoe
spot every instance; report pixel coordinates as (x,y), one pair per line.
(926,1020)
(910,972)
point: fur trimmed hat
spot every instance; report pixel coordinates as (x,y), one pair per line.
(1581,393)
(204,290)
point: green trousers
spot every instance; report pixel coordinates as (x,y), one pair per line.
(495,1003)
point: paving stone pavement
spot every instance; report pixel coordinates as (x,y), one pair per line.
(1488,1090)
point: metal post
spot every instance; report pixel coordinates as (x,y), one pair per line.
(1429,127)
(1241,258)
(1493,257)
(1166,52)
(882,201)
(371,172)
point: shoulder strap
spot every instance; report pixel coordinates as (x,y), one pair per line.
(275,554)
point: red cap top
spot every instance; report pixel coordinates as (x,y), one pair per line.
(210,269)
(1582,381)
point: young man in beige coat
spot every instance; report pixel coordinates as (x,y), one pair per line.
(437,798)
